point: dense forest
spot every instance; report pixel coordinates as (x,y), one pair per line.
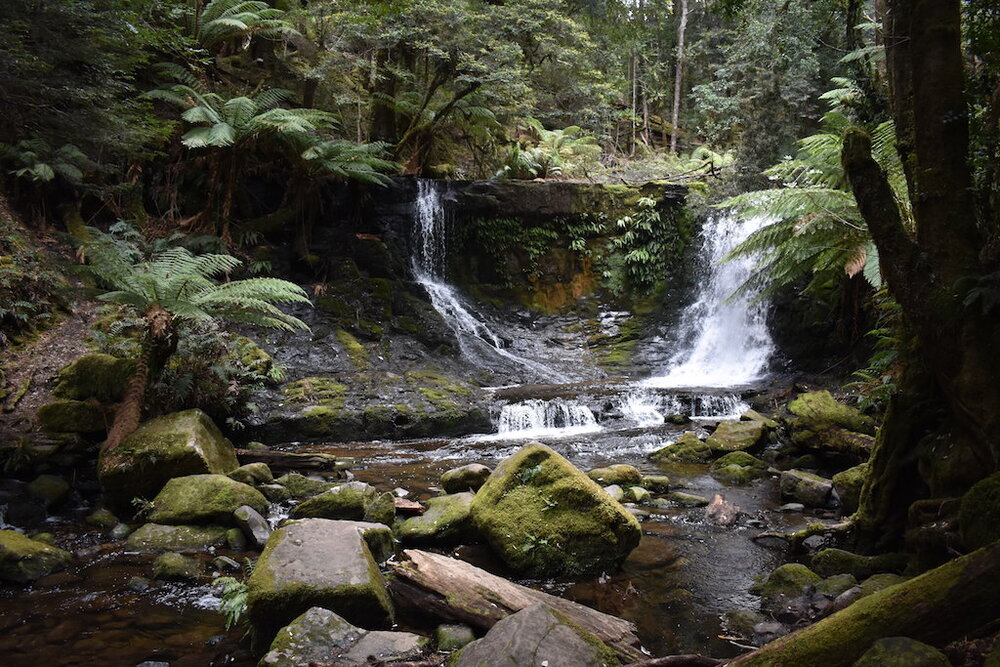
(210,216)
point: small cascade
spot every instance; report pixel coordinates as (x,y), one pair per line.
(641,408)
(535,418)
(724,342)
(648,408)
(430,251)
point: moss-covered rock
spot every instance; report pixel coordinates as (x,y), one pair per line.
(354,501)
(880,582)
(253,474)
(23,560)
(819,409)
(754,416)
(836,584)
(174,445)
(902,652)
(829,562)
(99,376)
(736,436)
(687,449)
(447,521)
(621,474)
(465,478)
(848,485)
(52,489)
(300,486)
(172,566)
(450,638)
(788,581)
(979,513)
(804,487)
(318,635)
(685,499)
(201,499)
(545,517)
(155,537)
(738,468)
(316,563)
(656,483)
(69,416)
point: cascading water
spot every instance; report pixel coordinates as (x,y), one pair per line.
(474,336)
(724,342)
(646,408)
(535,418)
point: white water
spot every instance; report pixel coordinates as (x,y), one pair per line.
(535,418)
(648,408)
(724,343)
(474,336)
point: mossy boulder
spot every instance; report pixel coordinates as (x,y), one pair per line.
(316,563)
(174,445)
(253,474)
(902,652)
(819,409)
(806,488)
(835,585)
(52,489)
(465,478)
(848,485)
(788,581)
(880,582)
(318,635)
(656,483)
(450,638)
(754,416)
(354,501)
(204,499)
(979,513)
(70,416)
(172,566)
(738,468)
(23,560)
(99,376)
(447,521)
(829,562)
(686,449)
(155,537)
(685,499)
(544,517)
(300,486)
(736,436)
(621,474)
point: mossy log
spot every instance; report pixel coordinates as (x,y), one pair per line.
(938,607)
(457,591)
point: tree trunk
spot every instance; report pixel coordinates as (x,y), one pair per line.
(938,607)
(678,77)
(455,590)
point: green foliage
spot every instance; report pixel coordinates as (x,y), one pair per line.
(565,152)
(876,383)
(219,23)
(234,601)
(29,285)
(38,162)
(647,244)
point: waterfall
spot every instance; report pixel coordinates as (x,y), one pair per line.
(535,418)
(647,408)
(474,336)
(724,342)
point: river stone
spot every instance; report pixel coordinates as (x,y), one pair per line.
(878,582)
(253,525)
(686,499)
(829,562)
(316,563)
(318,635)
(620,474)
(385,646)
(23,560)
(174,445)
(450,638)
(848,486)
(788,581)
(236,539)
(378,536)
(616,492)
(754,416)
(819,409)
(52,489)
(276,493)
(734,436)
(902,652)
(656,483)
(544,517)
(253,474)
(68,416)
(22,508)
(204,499)
(102,518)
(804,487)
(465,478)
(834,586)
(156,537)
(354,501)
(99,376)
(173,566)
(637,494)
(738,468)
(300,486)
(979,513)
(447,521)
(687,449)
(536,635)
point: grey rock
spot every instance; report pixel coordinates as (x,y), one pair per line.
(465,478)
(386,646)
(318,635)
(806,488)
(253,525)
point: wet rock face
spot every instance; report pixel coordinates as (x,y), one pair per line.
(536,635)
(733,436)
(23,560)
(545,517)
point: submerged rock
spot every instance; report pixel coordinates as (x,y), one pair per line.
(23,560)
(804,487)
(620,474)
(204,499)
(465,478)
(536,635)
(687,449)
(354,501)
(316,563)
(736,436)
(447,521)
(545,517)
(174,445)
(156,537)
(902,652)
(173,566)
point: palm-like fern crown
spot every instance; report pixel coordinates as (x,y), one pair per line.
(817,228)
(185,284)
(223,21)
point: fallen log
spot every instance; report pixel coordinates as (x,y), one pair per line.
(937,607)
(291,460)
(457,591)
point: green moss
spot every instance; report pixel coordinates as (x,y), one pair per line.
(204,499)
(354,501)
(829,562)
(356,352)
(23,560)
(979,513)
(155,537)
(687,449)
(732,436)
(301,486)
(822,409)
(789,580)
(99,376)
(621,474)
(317,391)
(849,484)
(68,416)
(436,380)
(447,521)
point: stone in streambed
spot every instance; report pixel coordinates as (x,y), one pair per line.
(536,635)
(687,449)
(829,562)
(52,489)
(253,474)
(316,563)
(620,474)
(902,652)
(656,483)
(453,637)
(544,517)
(804,487)
(683,499)
(354,501)
(788,581)
(173,566)
(253,525)
(733,436)
(447,521)
(210,499)
(385,647)
(465,478)
(155,537)
(300,486)
(23,560)
(616,492)
(318,635)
